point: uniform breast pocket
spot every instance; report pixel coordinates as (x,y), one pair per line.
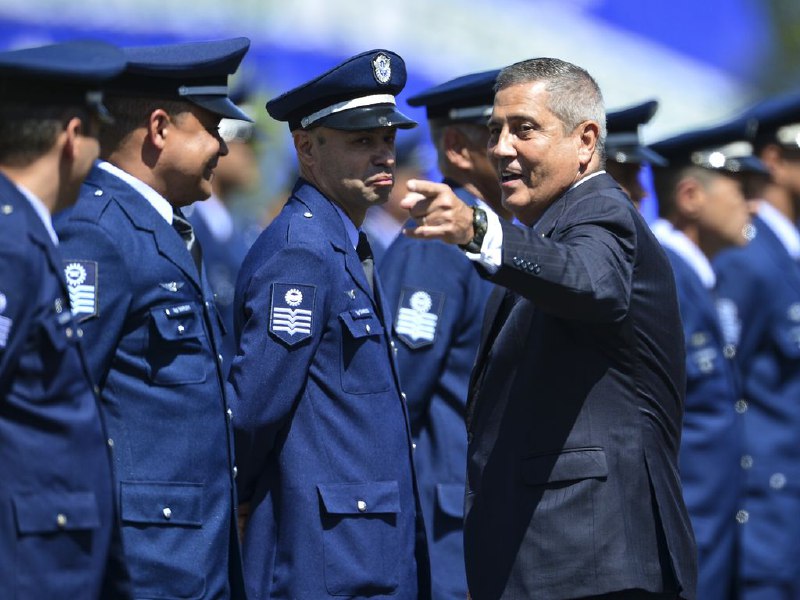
(55,541)
(177,345)
(360,537)
(365,359)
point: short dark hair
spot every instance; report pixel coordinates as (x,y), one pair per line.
(29,131)
(666,179)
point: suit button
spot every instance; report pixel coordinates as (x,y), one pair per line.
(777,481)
(741,406)
(362,506)
(742,517)
(61,520)
(729,351)
(167,512)
(537,269)
(746,461)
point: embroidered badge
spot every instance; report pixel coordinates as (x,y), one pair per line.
(729,321)
(172,286)
(5,322)
(382,68)
(417,316)
(81,278)
(291,312)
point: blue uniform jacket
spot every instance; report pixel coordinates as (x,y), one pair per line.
(763,284)
(711,441)
(324,448)
(437,300)
(59,537)
(151,334)
(222,261)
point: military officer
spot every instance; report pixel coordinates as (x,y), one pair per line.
(703,211)
(437,301)
(148,317)
(323,443)
(760,284)
(59,534)
(625,152)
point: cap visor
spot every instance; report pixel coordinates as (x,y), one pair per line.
(636,155)
(220,105)
(367,117)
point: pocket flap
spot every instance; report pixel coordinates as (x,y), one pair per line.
(178,322)
(450,497)
(579,463)
(56,511)
(360,498)
(161,503)
(361,322)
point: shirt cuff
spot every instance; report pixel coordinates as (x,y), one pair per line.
(491,254)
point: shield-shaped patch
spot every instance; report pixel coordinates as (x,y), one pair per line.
(291,317)
(418,316)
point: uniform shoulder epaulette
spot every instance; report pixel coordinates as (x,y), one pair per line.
(91,204)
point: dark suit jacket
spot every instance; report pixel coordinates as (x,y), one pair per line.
(59,537)
(152,337)
(575,411)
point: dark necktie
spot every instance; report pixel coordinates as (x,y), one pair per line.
(184,229)
(364,252)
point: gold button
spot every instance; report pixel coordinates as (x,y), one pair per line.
(61,520)
(167,512)
(362,506)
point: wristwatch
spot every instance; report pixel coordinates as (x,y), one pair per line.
(479,226)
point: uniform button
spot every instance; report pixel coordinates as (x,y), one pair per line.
(742,517)
(96,390)
(307,215)
(7,209)
(219,357)
(413,445)
(391,343)
(368,328)
(110,442)
(230,414)
(746,461)
(79,332)
(235,471)
(362,506)
(729,351)
(403,394)
(181,328)
(68,331)
(98,192)
(208,304)
(741,406)
(167,512)
(61,520)
(777,481)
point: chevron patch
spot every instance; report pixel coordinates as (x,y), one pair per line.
(81,276)
(292,312)
(418,316)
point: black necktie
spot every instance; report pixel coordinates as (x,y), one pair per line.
(364,252)
(184,229)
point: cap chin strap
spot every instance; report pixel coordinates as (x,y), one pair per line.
(347,105)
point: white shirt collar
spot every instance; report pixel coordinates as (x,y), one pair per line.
(585,179)
(157,201)
(216,215)
(782,227)
(41,210)
(677,241)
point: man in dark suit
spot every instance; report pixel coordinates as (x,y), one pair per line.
(576,398)
(59,532)
(761,284)
(148,318)
(703,211)
(322,434)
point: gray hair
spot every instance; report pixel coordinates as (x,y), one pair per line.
(573,95)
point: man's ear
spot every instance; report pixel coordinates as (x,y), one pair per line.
(588,133)
(158,125)
(689,196)
(456,148)
(304,146)
(70,136)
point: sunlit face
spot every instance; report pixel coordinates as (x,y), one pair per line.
(627,176)
(355,169)
(724,213)
(193,147)
(535,159)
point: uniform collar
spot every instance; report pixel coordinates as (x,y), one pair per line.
(677,241)
(782,227)
(349,226)
(156,200)
(41,210)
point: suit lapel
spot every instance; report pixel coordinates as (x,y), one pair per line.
(145,218)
